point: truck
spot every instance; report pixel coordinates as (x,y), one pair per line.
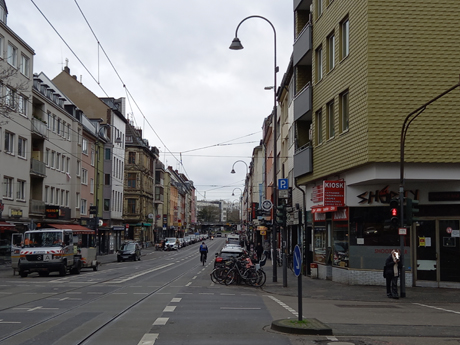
(48,250)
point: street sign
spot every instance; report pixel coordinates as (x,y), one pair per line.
(297,260)
(267,205)
(283,183)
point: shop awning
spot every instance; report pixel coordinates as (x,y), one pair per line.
(77,229)
(7,226)
(142,224)
(323,209)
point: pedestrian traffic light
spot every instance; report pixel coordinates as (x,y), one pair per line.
(411,210)
(394,211)
(281,216)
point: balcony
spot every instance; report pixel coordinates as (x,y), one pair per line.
(37,168)
(302,103)
(303,161)
(37,207)
(302,4)
(303,48)
(39,127)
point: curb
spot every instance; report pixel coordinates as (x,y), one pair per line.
(306,326)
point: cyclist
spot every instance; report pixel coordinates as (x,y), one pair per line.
(203,252)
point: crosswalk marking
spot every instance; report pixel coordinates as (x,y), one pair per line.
(148,339)
(161,321)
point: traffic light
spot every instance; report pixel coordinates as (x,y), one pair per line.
(281,216)
(411,210)
(394,211)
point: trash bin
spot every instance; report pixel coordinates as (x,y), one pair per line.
(314,270)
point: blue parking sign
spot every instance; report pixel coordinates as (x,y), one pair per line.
(297,260)
(283,183)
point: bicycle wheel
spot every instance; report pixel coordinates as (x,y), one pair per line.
(250,276)
(229,277)
(262,278)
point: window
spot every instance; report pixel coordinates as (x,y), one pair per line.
(22,105)
(92,156)
(21,192)
(131,206)
(67,169)
(53,125)
(58,192)
(319,64)
(62,197)
(330,52)
(25,65)
(132,158)
(22,147)
(319,8)
(107,179)
(8,187)
(330,120)
(12,57)
(59,126)
(58,161)
(67,198)
(53,158)
(84,176)
(106,204)
(84,146)
(77,200)
(83,207)
(45,197)
(2,39)
(52,195)
(344,111)
(345,27)
(50,120)
(319,127)
(131,180)
(63,163)
(68,132)
(47,157)
(91,186)
(9,142)
(9,97)
(107,155)
(78,168)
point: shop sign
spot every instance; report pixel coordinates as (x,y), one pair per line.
(444,196)
(384,196)
(262,228)
(317,194)
(319,217)
(324,209)
(340,214)
(15,212)
(334,193)
(52,212)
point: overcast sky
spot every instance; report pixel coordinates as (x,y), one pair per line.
(194,98)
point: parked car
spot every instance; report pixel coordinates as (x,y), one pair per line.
(170,244)
(228,252)
(129,251)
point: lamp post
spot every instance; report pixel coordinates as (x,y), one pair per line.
(407,122)
(247,191)
(241,205)
(236,45)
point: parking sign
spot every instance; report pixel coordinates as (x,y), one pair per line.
(283,183)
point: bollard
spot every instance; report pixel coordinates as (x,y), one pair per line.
(314,270)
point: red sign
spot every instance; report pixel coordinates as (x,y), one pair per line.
(323,209)
(317,194)
(334,193)
(340,214)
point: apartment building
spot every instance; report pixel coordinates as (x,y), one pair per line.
(372,63)
(16,122)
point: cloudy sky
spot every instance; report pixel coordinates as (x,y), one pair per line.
(200,103)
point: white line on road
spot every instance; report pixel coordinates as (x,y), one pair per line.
(169,308)
(1,321)
(437,308)
(230,308)
(194,277)
(176,300)
(188,284)
(284,306)
(148,339)
(161,321)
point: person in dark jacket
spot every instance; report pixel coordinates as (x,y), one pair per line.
(259,251)
(392,272)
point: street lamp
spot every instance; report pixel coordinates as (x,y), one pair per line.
(236,45)
(247,190)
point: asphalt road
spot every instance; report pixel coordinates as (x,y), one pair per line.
(168,298)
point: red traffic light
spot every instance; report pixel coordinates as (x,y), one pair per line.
(394,212)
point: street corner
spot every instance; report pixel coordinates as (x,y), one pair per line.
(304,326)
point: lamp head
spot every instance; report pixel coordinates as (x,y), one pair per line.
(233,171)
(236,44)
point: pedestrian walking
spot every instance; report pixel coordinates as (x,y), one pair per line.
(391,272)
(259,251)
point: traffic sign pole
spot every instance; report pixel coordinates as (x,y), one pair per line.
(297,262)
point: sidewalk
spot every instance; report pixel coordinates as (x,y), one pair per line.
(329,290)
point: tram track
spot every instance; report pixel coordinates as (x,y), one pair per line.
(162,268)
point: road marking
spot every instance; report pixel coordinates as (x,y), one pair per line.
(169,308)
(138,275)
(5,293)
(161,321)
(140,293)
(120,293)
(230,308)
(1,321)
(188,284)
(285,306)
(194,277)
(176,300)
(206,293)
(94,293)
(227,294)
(148,339)
(332,338)
(37,308)
(442,309)
(73,293)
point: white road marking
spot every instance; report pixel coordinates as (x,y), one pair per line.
(294,312)
(230,308)
(227,294)
(441,309)
(138,275)
(169,308)
(194,277)
(120,293)
(148,339)
(94,293)
(188,284)
(1,321)
(332,338)
(161,321)
(176,300)
(37,308)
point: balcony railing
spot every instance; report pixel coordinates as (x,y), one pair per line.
(37,168)
(303,161)
(303,48)
(36,206)
(39,127)
(302,103)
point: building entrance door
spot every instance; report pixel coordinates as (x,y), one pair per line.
(449,258)
(426,254)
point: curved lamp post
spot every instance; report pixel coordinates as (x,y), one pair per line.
(236,45)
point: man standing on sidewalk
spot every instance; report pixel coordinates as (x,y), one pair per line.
(392,272)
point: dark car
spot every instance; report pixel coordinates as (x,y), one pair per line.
(129,251)
(227,253)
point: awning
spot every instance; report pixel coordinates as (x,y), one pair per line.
(142,224)
(323,209)
(76,229)
(7,226)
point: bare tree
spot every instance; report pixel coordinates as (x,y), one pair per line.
(11,86)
